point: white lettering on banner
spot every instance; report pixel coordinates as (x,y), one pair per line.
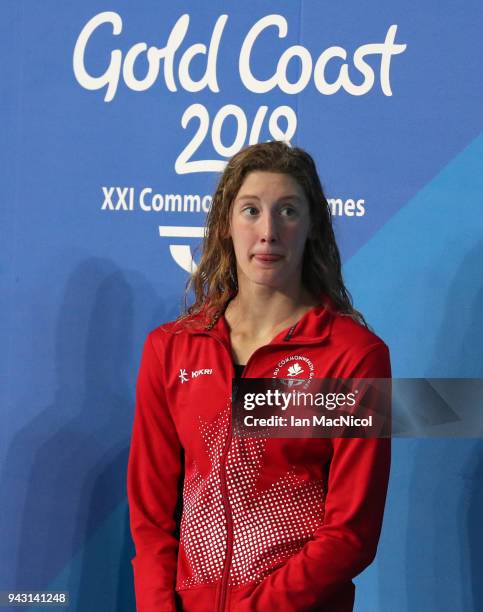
(386,49)
(248,131)
(339,208)
(111,76)
(173,202)
(154,55)
(121,203)
(124,198)
(198,111)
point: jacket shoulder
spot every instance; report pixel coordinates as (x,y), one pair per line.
(349,332)
(360,352)
(166,333)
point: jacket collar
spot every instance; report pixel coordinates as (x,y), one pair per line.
(313,327)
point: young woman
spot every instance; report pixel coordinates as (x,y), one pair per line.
(267,523)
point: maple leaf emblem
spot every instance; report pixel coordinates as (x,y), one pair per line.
(295,369)
(292,510)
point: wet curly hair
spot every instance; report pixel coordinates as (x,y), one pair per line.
(214,282)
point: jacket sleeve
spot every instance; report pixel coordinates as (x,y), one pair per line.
(347,541)
(154,469)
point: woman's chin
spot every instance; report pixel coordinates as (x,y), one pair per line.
(270,279)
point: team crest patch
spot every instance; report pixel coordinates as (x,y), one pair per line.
(294,371)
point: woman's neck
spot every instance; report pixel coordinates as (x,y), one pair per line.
(263,313)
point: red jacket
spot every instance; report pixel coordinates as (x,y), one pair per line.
(267,523)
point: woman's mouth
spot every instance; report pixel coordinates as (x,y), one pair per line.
(267,258)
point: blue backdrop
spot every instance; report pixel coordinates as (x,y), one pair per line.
(117,119)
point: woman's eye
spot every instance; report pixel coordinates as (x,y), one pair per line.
(289,211)
(251,211)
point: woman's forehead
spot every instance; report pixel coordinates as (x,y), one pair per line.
(258,184)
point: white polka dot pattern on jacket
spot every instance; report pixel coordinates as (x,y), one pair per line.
(272,525)
(269,526)
(203,523)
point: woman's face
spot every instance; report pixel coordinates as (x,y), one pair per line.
(269,225)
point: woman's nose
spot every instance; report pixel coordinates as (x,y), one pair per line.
(269,230)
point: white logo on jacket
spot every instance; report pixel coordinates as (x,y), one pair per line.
(291,373)
(183,374)
(295,370)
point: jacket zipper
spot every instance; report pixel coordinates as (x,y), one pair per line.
(229,524)
(224,486)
